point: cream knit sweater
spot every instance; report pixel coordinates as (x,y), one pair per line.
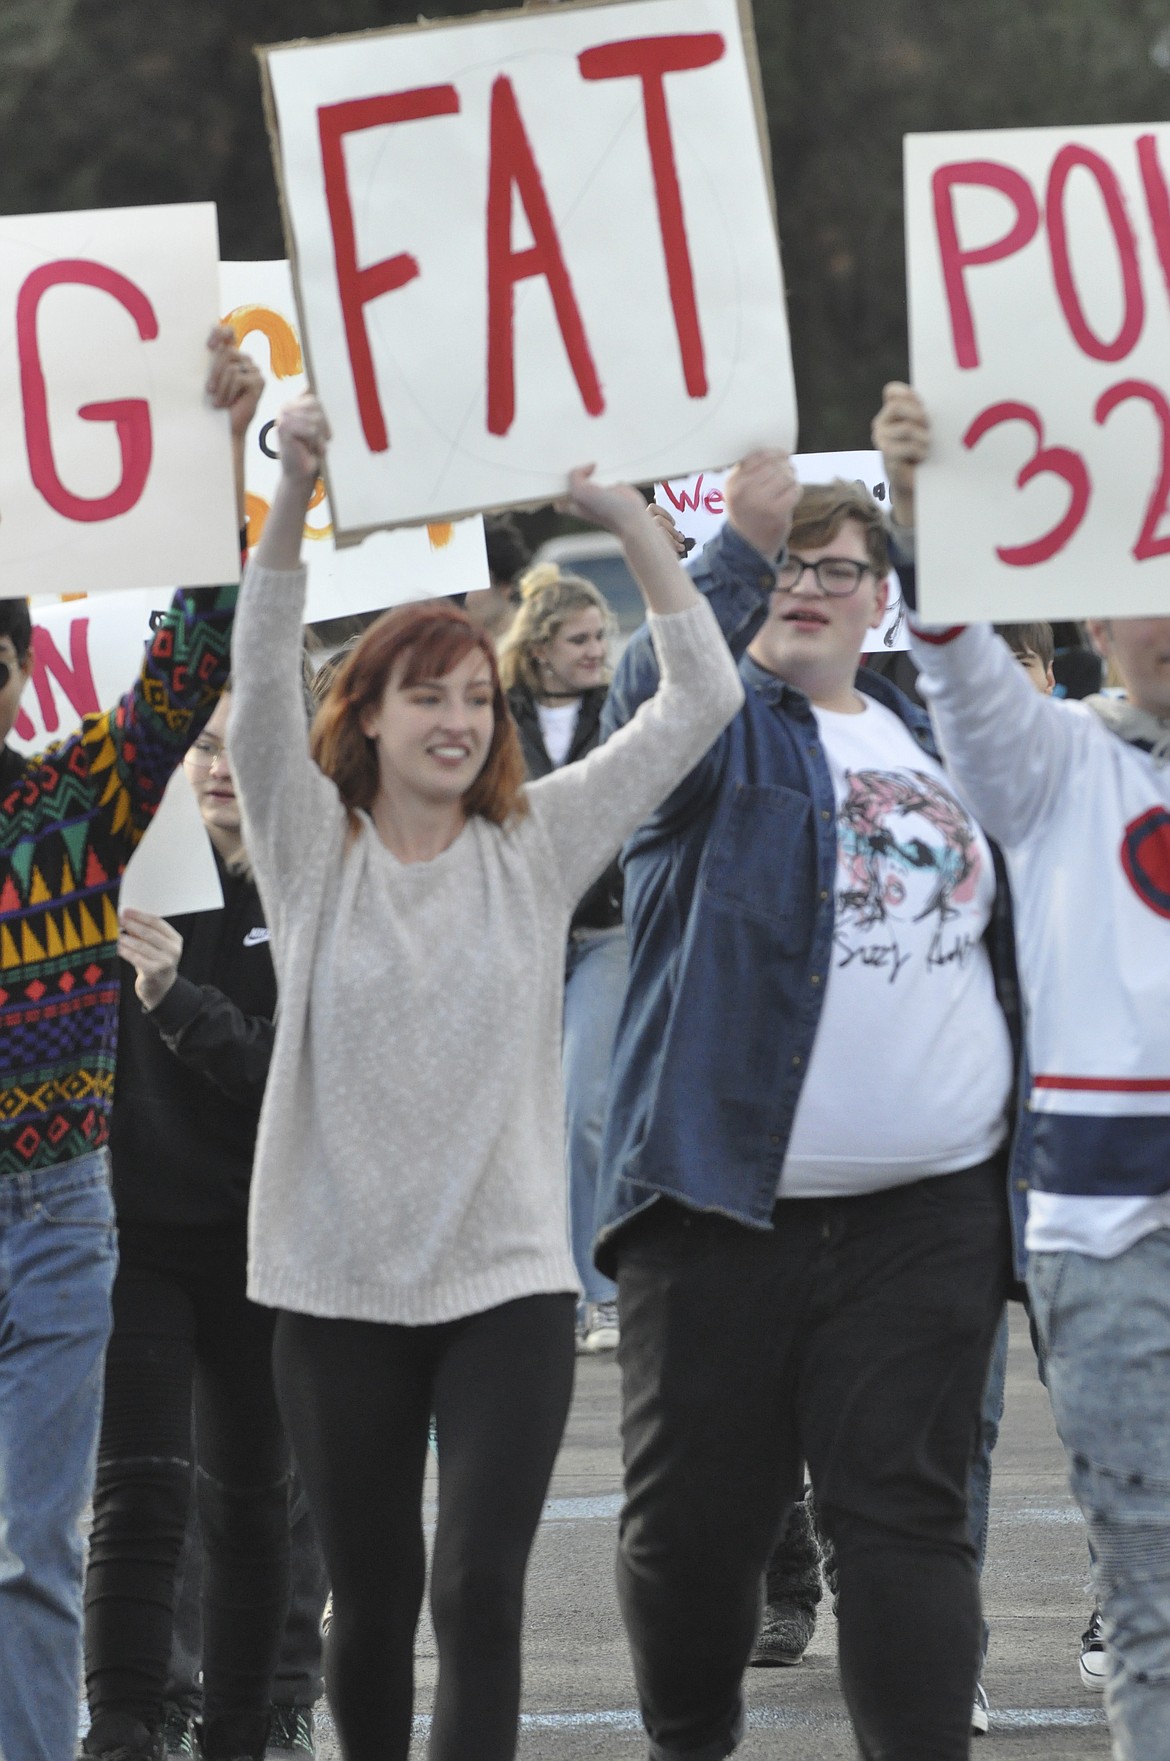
(410,1163)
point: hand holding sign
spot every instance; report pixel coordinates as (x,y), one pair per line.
(901,433)
(761,494)
(154,949)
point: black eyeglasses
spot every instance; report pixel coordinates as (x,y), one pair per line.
(836,576)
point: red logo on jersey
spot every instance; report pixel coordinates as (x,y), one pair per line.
(1145,856)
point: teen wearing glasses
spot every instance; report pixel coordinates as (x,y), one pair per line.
(804,1194)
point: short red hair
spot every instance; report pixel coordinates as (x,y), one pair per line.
(433,636)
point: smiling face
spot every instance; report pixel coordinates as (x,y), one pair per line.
(433,737)
(813,641)
(1140,649)
(573,659)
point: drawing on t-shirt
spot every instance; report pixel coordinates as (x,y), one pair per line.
(908,856)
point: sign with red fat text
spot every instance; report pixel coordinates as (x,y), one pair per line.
(115,471)
(1039,269)
(529,241)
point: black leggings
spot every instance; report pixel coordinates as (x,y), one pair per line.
(357,1397)
(182,1323)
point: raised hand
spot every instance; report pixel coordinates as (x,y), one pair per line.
(665,519)
(901,433)
(302,437)
(154,949)
(234,381)
(615,507)
(760,495)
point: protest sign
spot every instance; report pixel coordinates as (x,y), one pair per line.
(1039,266)
(117,472)
(388,568)
(696,506)
(86,653)
(530,240)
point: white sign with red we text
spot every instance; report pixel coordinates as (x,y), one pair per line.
(1039,266)
(530,241)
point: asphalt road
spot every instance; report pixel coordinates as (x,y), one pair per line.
(578,1695)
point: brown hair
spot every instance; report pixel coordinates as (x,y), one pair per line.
(547,598)
(431,638)
(1026,639)
(823,509)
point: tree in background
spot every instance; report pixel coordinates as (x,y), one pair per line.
(107,104)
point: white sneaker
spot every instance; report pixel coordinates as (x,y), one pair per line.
(1094,1663)
(601,1328)
(980,1712)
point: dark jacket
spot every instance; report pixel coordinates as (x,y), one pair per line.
(191,1073)
(729,909)
(601,907)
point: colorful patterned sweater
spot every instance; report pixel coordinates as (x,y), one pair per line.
(70,818)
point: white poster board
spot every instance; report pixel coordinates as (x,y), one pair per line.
(115,471)
(531,240)
(696,506)
(86,653)
(388,568)
(1039,268)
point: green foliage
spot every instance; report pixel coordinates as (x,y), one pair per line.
(110,102)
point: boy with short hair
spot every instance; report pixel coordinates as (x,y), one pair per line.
(1034,648)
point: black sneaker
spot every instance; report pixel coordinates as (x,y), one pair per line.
(785,1635)
(115,1736)
(291,1732)
(178,1731)
(1094,1665)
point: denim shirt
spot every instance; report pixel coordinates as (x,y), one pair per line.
(729,907)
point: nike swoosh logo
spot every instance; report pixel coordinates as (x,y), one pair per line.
(255,936)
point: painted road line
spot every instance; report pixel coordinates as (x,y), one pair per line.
(779,1718)
(606,1507)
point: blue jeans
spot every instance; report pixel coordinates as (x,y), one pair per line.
(58,1254)
(596,966)
(1105,1329)
(986,1438)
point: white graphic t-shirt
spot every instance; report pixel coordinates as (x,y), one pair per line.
(911,1069)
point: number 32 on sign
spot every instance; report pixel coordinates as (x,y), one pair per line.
(1039,266)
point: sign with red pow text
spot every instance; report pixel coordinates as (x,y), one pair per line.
(529,241)
(115,471)
(387,568)
(1039,266)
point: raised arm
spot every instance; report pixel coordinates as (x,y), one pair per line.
(288,806)
(1007,747)
(133,748)
(589,809)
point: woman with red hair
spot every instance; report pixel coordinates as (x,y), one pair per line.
(408,1204)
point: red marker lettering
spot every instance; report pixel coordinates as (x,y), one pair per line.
(955,260)
(682,501)
(511,165)
(1157,200)
(1135,306)
(74,676)
(131,416)
(356,286)
(650,59)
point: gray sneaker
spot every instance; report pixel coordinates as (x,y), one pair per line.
(601,1328)
(178,1730)
(785,1635)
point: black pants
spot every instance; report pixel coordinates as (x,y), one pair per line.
(183,1325)
(854,1336)
(357,1398)
(298,1680)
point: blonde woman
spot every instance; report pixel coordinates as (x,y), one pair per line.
(554,666)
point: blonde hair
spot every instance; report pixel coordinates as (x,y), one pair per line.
(547,598)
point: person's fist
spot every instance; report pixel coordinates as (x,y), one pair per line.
(901,433)
(302,437)
(234,381)
(154,949)
(760,495)
(613,506)
(665,519)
